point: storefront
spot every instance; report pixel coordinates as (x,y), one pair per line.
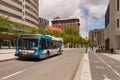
(7,40)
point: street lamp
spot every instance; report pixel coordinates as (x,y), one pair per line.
(86,51)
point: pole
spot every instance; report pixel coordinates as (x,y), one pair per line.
(86,51)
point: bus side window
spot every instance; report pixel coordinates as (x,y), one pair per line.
(56,45)
(43,44)
(48,44)
(51,44)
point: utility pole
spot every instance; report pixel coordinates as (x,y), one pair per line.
(86,51)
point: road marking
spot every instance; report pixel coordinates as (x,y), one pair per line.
(108,65)
(12,75)
(105,77)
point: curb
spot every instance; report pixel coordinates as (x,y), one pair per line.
(78,73)
(8,59)
(7,53)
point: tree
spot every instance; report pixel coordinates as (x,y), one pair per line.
(4,21)
(71,30)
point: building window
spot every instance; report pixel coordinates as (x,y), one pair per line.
(117,22)
(117,5)
(10,6)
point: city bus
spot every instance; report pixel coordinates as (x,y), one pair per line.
(38,46)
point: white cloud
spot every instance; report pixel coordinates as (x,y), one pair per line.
(97,8)
(73,8)
(61,8)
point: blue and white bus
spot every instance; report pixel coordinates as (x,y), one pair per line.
(38,46)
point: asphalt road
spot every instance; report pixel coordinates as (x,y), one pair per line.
(61,67)
(103,67)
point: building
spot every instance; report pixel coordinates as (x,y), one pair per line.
(97,37)
(21,11)
(43,23)
(112,27)
(63,23)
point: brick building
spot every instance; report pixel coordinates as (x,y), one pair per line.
(97,37)
(63,23)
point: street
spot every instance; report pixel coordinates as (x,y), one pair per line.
(100,66)
(103,67)
(60,67)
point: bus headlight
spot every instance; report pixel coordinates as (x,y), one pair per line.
(17,51)
(35,53)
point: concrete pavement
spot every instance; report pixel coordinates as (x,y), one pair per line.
(98,66)
(114,56)
(61,67)
(7,54)
(84,67)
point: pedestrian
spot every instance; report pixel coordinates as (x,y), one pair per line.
(92,48)
(111,50)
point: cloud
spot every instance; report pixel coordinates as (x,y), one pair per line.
(97,8)
(61,8)
(94,10)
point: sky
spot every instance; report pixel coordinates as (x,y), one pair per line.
(90,12)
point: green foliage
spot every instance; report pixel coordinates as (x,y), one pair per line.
(4,21)
(90,43)
(70,35)
(71,30)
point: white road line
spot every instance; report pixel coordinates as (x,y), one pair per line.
(12,75)
(105,77)
(108,65)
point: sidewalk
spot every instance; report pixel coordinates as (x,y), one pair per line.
(7,54)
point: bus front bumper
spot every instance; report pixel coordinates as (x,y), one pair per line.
(27,55)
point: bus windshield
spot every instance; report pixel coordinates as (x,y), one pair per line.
(27,44)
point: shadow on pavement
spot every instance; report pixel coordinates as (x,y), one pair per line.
(35,59)
(102,51)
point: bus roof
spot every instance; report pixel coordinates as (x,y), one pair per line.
(44,36)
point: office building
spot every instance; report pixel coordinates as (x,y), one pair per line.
(21,11)
(112,26)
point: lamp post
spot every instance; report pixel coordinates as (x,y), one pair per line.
(86,19)
(86,51)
